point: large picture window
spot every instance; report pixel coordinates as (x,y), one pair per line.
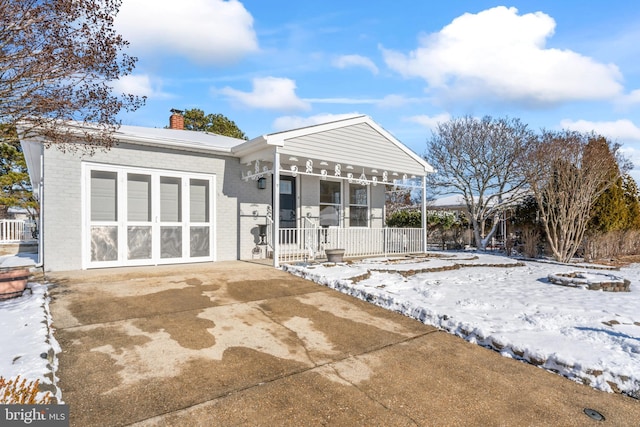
(330,203)
(358,206)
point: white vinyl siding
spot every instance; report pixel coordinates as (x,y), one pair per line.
(358,145)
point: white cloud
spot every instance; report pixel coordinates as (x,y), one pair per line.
(500,54)
(632,153)
(622,131)
(206,31)
(395,101)
(346,61)
(271,93)
(342,100)
(140,85)
(630,99)
(619,130)
(294,122)
(389,101)
(430,122)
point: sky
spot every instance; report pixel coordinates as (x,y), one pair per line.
(277,65)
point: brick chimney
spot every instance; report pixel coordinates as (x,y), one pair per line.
(176,121)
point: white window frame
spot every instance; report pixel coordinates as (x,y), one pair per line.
(367,205)
(339,206)
(122,221)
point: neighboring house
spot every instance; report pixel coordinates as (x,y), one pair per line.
(173,196)
(20,213)
(455,203)
(18,231)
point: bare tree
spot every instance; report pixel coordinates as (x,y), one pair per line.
(480,159)
(567,171)
(57,59)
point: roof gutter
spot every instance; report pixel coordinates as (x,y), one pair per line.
(172,144)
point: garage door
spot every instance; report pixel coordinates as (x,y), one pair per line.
(146,217)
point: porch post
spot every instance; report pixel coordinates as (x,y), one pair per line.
(424,214)
(276,209)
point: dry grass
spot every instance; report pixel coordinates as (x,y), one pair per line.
(22,392)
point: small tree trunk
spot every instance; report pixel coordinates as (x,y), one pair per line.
(492,232)
(476,234)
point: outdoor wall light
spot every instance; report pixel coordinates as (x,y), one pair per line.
(262,183)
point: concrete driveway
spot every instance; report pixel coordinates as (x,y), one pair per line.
(236,343)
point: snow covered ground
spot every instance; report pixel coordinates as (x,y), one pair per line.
(27,345)
(592,337)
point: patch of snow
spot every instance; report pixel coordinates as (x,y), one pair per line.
(27,345)
(20,260)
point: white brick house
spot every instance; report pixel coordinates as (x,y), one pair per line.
(174,196)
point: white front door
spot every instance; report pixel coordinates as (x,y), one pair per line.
(146,217)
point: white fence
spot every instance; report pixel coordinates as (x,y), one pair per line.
(17,230)
(300,244)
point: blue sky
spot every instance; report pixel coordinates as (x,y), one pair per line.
(274,65)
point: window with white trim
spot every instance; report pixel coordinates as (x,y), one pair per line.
(358,206)
(330,203)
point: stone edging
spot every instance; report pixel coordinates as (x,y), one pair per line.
(580,279)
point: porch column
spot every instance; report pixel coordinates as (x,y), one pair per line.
(276,209)
(424,214)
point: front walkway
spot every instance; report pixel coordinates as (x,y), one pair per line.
(237,343)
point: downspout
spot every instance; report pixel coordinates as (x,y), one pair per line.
(40,262)
(424,214)
(276,208)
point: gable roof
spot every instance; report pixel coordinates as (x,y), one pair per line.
(358,141)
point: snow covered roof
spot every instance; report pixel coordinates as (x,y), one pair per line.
(456,201)
(185,139)
(452,201)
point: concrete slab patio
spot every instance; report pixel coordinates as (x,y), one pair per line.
(236,343)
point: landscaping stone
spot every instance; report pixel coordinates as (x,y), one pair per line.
(591,281)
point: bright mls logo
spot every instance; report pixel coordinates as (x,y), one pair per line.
(34,415)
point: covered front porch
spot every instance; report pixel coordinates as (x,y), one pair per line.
(313,242)
(327,186)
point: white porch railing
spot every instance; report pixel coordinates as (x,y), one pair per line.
(17,230)
(301,244)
